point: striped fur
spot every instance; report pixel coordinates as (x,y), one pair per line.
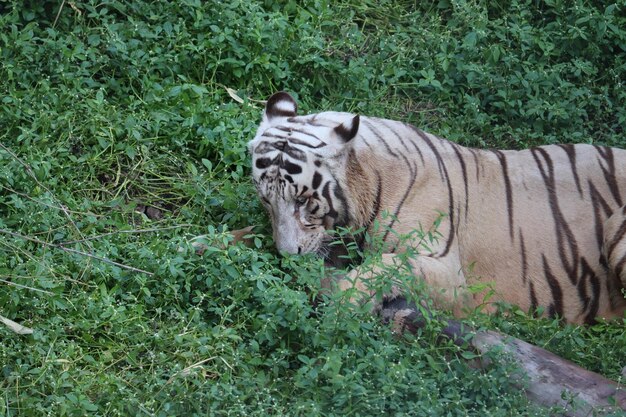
(546,226)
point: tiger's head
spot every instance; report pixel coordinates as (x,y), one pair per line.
(298,168)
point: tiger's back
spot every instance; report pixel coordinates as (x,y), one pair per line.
(533,223)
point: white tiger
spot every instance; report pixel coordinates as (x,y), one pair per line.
(546,226)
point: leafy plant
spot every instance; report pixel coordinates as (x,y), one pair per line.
(121,140)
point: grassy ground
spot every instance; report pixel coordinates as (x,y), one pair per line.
(120,141)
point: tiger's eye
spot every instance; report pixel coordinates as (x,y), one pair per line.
(300,201)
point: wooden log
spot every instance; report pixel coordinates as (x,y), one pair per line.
(550,380)
(547,379)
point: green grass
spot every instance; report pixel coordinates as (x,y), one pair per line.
(120,140)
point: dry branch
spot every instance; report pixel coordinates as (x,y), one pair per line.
(549,377)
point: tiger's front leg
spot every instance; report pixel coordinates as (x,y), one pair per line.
(445,282)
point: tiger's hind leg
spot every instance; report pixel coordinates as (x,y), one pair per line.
(615,252)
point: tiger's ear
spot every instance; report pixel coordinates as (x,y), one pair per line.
(280,104)
(348,130)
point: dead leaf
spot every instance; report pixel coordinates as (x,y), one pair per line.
(239,235)
(73,6)
(16,327)
(233,94)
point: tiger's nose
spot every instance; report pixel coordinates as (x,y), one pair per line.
(286,236)
(282,252)
(287,246)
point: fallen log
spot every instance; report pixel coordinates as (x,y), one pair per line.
(547,379)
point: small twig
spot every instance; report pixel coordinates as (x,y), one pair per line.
(186,371)
(34,200)
(133,231)
(78,252)
(30,172)
(25,287)
(24,164)
(58,14)
(99,258)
